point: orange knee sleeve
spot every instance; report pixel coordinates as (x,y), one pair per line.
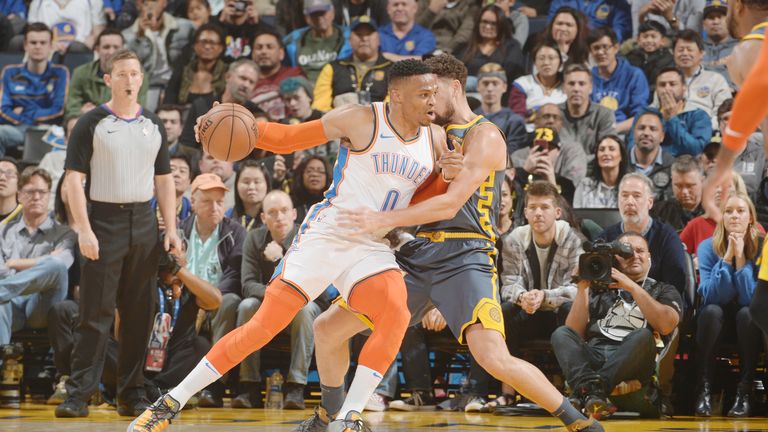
(285,139)
(383,298)
(281,304)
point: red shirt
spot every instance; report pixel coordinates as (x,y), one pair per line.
(700,229)
(267,93)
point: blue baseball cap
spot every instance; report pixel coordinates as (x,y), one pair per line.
(715,6)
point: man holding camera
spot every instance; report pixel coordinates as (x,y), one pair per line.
(613,330)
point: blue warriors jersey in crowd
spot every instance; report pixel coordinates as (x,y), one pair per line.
(479,213)
(757,32)
(41,96)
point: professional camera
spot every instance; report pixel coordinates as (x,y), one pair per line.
(596,262)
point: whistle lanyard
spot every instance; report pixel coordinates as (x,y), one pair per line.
(176,307)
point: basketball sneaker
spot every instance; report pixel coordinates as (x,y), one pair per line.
(586,425)
(157,416)
(418,401)
(317,423)
(353,422)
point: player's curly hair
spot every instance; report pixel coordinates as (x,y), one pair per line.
(448,66)
(407,68)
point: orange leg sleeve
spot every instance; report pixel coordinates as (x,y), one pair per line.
(285,139)
(281,304)
(383,298)
(749,107)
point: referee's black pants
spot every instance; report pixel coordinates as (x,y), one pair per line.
(125,275)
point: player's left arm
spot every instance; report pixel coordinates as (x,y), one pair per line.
(481,157)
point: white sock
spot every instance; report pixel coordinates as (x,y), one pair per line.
(363,385)
(201,376)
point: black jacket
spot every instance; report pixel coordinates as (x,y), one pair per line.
(230,251)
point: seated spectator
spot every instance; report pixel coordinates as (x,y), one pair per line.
(675,16)
(751,162)
(491,42)
(614,14)
(310,48)
(519,22)
(617,85)
(53,161)
(240,25)
(240,81)
(728,282)
(635,202)
(297,96)
(647,156)
(181,172)
(569,30)
(686,130)
(87,89)
(545,85)
(510,208)
(718,43)
(705,89)
(10,209)
(198,12)
(226,172)
(448,23)
(15,12)
(608,337)
(358,79)
(37,253)
(203,76)
(402,38)
(708,157)
(685,204)
(158,38)
(264,247)
(563,164)
(214,254)
(536,283)
(348,10)
(609,165)
(74,24)
(33,93)
(492,84)
(701,227)
(310,180)
(268,53)
(584,121)
(170,115)
(252,183)
(289,15)
(651,54)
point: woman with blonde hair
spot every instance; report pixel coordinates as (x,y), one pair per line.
(728,281)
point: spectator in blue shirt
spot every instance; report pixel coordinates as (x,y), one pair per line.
(33,93)
(617,84)
(600,13)
(685,131)
(402,38)
(16,12)
(728,282)
(492,84)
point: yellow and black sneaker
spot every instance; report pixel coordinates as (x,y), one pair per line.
(157,416)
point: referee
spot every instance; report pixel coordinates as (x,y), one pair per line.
(119,152)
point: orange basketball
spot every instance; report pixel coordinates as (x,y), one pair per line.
(228,132)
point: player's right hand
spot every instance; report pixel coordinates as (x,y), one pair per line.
(89,245)
(199,120)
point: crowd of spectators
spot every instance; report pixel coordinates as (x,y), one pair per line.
(616,106)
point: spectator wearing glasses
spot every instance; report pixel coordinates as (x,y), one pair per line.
(36,255)
(203,76)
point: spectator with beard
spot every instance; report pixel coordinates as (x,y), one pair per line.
(240,80)
(269,53)
(241,25)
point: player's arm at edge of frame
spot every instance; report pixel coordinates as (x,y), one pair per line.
(483,149)
(335,124)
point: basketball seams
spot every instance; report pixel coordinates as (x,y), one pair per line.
(213,137)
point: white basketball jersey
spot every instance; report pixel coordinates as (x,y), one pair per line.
(382,177)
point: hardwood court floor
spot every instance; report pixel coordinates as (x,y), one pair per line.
(40,418)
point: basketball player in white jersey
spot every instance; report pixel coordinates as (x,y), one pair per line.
(389,152)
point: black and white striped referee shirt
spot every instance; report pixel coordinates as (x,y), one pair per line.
(120,156)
